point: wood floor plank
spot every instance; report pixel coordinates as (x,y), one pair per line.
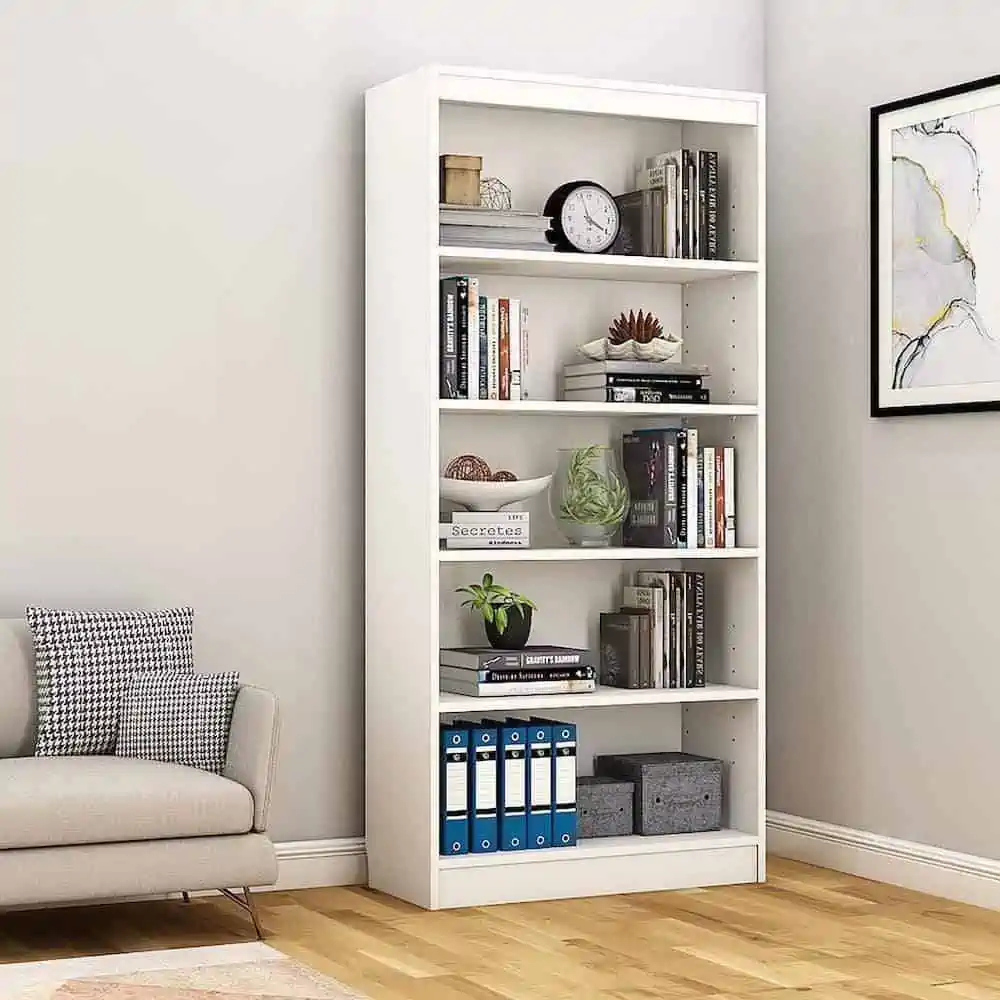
(807,930)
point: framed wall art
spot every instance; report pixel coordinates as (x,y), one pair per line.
(935,251)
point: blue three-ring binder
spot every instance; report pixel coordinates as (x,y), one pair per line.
(513,775)
(453,790)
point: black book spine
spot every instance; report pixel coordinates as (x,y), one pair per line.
(463,338)
(693,201)
(682,489)
(702,203)
(682,657)
(643,461)
(656,381)
(690,651)
(699,629)
(641,394)
(670,598)
(701,498)
(711,205)
(685,207)
(669,513)
(448,367)
(484,351)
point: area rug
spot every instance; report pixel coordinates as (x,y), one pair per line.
(230,972)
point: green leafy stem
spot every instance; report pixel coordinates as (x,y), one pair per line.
(592,497)
(494,601)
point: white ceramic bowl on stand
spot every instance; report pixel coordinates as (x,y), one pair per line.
(490,495)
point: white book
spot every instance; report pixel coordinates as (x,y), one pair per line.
(729,486)
(524,351)
(661,580)
(542,766)
(670,244)
(473,378)
(490,516)
(514,318)
(692,487)
(709,493)
(486,542)
(652,598)
(493,340)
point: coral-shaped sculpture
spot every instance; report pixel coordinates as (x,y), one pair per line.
(642,328)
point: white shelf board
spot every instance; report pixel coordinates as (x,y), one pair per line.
(575,554)
(609,267)
(605,847)
(565,408)
(602,697)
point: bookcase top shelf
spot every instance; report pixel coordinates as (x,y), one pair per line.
(602,697)
(566,408)
(607,267)
(569,554)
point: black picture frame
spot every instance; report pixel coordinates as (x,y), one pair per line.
(880,390)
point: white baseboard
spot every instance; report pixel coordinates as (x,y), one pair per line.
(309,864)
(962,877)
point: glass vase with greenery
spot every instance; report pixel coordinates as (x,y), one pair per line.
(589,496)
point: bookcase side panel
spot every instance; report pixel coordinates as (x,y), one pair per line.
(400,486)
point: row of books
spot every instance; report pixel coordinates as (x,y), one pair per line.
(635,382)
(682,495)
(484,343)
(657,638)
(494,529)
(507,785)
(473,226)
(484,672)
(674,210)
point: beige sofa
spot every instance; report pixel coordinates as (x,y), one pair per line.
(82,828)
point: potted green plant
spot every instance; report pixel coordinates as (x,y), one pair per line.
(506,615)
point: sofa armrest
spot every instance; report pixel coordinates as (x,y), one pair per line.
(253,748)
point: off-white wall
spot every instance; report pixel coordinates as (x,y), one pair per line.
(883,582)
(180,310)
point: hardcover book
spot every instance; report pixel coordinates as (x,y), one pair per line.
(449,339)
(462,316)
(504,335)
(635,212)
(518,676)
(710,170)
(650,463)
(622,641)
(638,394)
(487,658)
(515,688)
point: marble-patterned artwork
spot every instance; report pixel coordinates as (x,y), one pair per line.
(938,203)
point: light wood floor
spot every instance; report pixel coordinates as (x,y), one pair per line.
(807,931)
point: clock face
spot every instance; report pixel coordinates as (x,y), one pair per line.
(589,219)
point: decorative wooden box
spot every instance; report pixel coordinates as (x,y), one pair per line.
(604,806)
(674,792)
(460,179)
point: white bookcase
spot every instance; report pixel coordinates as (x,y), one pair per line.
(535,133)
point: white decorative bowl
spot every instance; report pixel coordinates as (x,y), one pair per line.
(489,495)
(662,349)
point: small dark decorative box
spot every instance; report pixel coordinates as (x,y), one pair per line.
(674,792)
(603,807)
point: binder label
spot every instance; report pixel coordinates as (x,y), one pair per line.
(541,777)
(566,775)
(514,779)
(486,780)
(456,783)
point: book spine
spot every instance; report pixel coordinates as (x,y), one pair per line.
(685,197)
(638,381)
(493,334)
(646,651)
(515,689)
(681,637)
(670,641)
(490,516)
(472,323)
(647,223)
(702,203)
(700,513)
(682,489)
(708,467)
(692,487)
(487,541)
(690,652)
(520,659)
(484,349)
(504,368)
(514,321)
(523,676)
(656,208)
(693,195)
(729,483)
(449,343)
(670,525)
(712,205)
(699,629)
(641,394)
(672,210)
(720,498)
(462,317)
(524,351)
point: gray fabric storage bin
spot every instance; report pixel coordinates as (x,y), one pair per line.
(604,806)
(674,792)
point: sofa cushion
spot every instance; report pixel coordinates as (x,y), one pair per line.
(178,717)
(17,689)
(57,801)
(85,660)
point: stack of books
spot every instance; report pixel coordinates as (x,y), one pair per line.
(484,343)
(483,672)
(495,529)
(682,495)
(490,227)
(635,382)
(674,210)
(507,785)
(657,638)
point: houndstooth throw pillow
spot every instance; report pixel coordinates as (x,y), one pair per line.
(84,663)
(178,717)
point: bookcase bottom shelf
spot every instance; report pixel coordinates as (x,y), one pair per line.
(599,867)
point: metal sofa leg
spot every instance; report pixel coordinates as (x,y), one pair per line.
(247,904)
(186,896)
